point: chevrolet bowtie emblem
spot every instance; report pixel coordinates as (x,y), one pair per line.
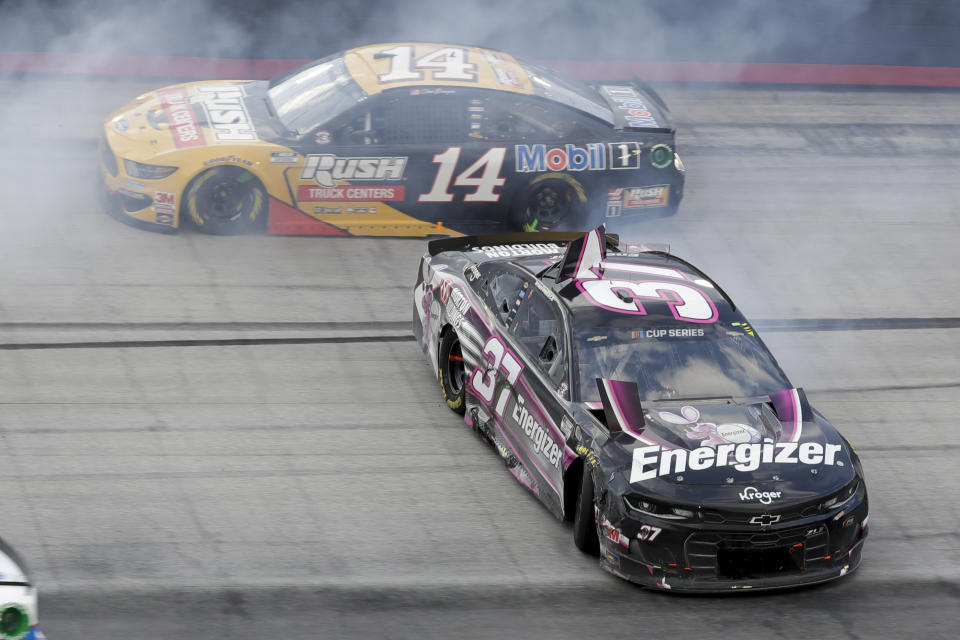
(765,520)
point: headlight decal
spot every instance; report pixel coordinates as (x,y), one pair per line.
(147,171)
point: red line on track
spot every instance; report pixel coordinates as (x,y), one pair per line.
(722,72)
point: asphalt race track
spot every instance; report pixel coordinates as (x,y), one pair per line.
(237,438)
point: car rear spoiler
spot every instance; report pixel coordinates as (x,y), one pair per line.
(466,243)
(664,110)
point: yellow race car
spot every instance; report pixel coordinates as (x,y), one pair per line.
(397,139)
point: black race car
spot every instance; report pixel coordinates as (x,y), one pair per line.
(628,392)
(395,139)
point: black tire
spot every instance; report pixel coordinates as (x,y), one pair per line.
(547,205)
(452,372)
(584,521)
(226,200)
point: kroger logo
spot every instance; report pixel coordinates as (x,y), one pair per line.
(765,497)
(537,157)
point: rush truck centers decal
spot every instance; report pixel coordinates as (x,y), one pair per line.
(653,461)
(226,112)
(181,118)
(325,169)
(306,193)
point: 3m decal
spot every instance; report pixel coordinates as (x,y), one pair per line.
(488,166)
(447,63)
(226,112)
(538,158)
(164,207)
(181,118)
(306,193)
(613,534)
(764,497)
(325,169)
(653,462)
(164,199)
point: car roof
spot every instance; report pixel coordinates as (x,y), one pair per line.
(655,265)
(494,69)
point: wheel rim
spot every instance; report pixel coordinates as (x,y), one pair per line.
(548,205)
(228,201)
(455,367)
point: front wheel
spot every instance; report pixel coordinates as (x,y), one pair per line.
(226,200)
(452,371)
(584,520)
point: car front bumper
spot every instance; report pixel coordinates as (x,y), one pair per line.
(723,558)
(145,204)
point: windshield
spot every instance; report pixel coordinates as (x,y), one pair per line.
(695,361)
(312,95)
(549,84)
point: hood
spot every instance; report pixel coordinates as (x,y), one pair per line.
(729,452)
(195,114)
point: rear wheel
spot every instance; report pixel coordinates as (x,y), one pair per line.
(452,371)
(226,200)
(584,521)
(546,204)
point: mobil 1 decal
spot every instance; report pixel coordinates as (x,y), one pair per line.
(624,155)
(592,156)
(515,408)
